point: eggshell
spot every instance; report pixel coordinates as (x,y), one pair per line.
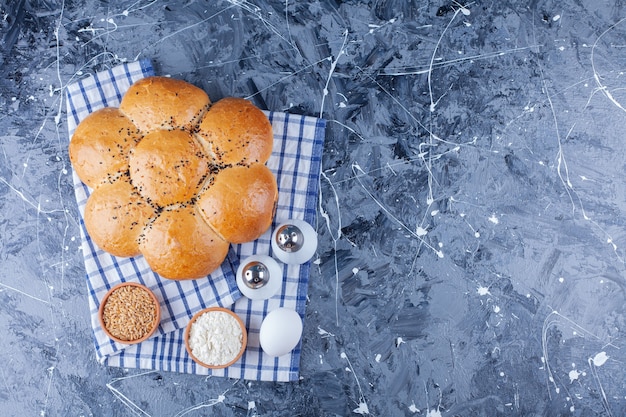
(280,331)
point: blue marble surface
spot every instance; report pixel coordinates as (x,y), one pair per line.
(471,218)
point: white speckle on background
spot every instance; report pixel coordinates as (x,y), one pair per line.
(361,409)
(483,290)
(324,333)
(600,359)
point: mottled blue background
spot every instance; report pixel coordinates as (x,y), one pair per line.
(471,219)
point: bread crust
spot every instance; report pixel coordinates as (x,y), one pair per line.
(100,146)
(164,103)
(178,244)
(237,132)
(168,167)
(240,202)
(115,215)
(175,179)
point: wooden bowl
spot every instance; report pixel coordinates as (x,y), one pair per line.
(129,325)
(233,319)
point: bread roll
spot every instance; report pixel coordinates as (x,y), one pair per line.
(175,179)
(168,167)
(164,103)
(179,244)
(240,202)
(237,132)
(100,145)
(115,215)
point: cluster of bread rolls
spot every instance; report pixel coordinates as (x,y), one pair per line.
(175,177)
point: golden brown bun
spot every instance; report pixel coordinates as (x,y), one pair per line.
(100,145)
(168,167)
(164,103)
(114,217)
(172,184)
(240,202)
(178,244)
(237,132)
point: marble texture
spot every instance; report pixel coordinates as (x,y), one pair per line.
(472,245)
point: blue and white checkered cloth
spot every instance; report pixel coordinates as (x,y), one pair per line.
(296,162)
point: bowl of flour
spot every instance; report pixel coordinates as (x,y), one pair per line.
(215,337)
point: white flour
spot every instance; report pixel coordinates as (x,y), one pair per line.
(215,338)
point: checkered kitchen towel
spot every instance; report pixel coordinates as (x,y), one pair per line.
(296,162)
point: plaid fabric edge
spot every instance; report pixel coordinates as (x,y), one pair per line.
(166,352)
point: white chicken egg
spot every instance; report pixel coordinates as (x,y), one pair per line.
(280,332)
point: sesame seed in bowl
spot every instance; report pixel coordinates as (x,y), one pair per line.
(129,313)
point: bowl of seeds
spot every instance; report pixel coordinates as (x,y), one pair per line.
(129,313)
